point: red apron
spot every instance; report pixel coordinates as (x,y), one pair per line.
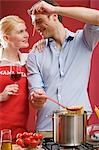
(14,111)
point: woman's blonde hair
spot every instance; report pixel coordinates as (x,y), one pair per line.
(7,24)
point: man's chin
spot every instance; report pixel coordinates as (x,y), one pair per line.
(46,37)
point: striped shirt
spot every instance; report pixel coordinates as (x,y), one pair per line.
(63,74)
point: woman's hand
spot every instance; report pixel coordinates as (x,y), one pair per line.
(39,46)
(38,98)
(8,91)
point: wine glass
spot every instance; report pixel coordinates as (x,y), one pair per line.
(6,139)
(15,73)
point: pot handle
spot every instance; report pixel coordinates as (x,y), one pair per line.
(89,112)
(50,116)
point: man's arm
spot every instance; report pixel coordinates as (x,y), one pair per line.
(83,14)
(37,93)
(38,98)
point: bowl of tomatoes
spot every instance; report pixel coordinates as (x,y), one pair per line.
(29,140)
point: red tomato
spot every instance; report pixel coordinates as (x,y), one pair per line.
(30,134)
(27,141)
(19,135)
(40,136)
(20,142)
(38,141)
(36,136)
(34,143)
(25,134)
(31,138)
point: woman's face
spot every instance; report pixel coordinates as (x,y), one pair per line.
(19,36)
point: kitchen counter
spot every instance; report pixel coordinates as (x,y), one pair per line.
(16,147)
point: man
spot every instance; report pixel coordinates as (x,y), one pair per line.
(61,71)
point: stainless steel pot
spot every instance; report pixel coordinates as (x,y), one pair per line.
(69,129)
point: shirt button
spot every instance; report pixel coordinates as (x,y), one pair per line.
(59,97)
(62,73)
(59,89)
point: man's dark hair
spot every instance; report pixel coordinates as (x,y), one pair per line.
(54,3)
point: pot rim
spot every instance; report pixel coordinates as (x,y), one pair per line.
(65,113)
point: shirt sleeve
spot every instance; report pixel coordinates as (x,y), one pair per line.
(91,35)
(33,73)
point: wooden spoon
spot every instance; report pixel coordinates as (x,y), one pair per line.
(55,101)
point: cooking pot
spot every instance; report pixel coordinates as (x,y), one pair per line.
(69,129)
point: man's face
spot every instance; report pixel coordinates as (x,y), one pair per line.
(44,25)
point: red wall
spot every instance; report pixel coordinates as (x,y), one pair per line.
(93,89)
(19,7)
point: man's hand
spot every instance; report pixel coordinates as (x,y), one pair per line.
(42,8)
(8,91)
(38,98)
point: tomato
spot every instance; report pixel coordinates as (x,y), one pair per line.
(30,134)
(34,143)
(31,138)
(19,135)
(40,136)
(38,141)
(25,134)
(20,142)
(36,136)
(27,141)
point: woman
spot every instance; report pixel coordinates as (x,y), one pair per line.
(13,96)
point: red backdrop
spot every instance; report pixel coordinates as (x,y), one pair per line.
(19,7)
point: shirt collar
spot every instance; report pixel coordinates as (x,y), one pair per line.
(69,36)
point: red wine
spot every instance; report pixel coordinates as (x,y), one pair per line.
(15,76)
